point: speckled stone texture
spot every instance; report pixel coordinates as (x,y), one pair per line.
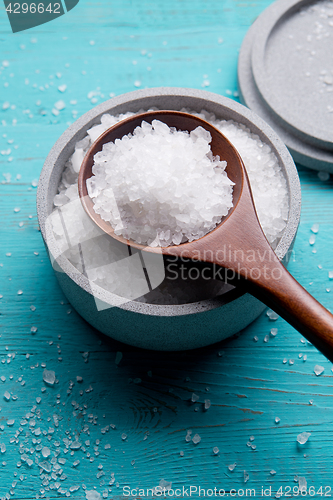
(167,327)
(281,77)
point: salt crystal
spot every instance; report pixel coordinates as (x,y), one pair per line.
(266,338)
(2,447)
(196,439)
(49,376)
(312,239)
(62,88)
(33,329)
(7,396)
(231,467)
(273,332)
(188,436)
(246,477)
(46,452)
(272,315)
(194,398)
(272,472)
(60,105)
(215,450)
(255,338)
(302,484)
(318,370)
(315,228)
(291,361)
(10,422)
(303,437)
(124,436)
(305,357)
(330,275)
(207,404)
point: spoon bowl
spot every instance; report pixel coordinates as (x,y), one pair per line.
(220,146)
(237,245)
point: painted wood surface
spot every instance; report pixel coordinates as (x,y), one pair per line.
(111,47)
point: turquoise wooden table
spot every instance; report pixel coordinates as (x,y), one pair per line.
(131,418)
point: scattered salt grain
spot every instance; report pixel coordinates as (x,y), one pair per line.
(231,467)
(76,445)
(305,357)
(303,437)
(7,396)
(33,329)
(272,315)
(10,422)
(274,332)
(318,370)
(60,105)
(284,361)
(246,477)
(291,361)
(92,495)
(49,377)
(207,404)
(315,228)
(3,448)
(266,338)
(46,452)
(272,472)
(216,450)
(255,338)
(188,436)
(194,398)
(302,484)
(196,439)
(312,239)
(330,275)
(62,88)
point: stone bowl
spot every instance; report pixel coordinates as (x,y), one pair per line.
(143,324)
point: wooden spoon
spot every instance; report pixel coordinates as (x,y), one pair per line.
(237,244)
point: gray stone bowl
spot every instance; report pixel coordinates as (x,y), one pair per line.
(146,325)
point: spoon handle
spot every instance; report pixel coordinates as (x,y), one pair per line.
(280,291)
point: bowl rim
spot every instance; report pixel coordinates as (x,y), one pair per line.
(74,133)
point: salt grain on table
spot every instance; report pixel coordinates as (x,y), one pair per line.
(303,437)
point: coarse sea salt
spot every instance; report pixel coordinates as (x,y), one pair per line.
(268,186)
(160,186)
